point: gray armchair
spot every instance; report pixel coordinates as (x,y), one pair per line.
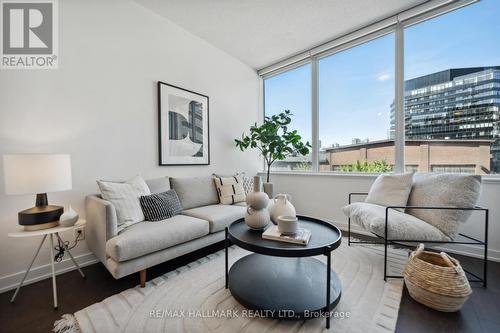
(453,197)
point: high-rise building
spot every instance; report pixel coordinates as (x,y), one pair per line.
(455,104)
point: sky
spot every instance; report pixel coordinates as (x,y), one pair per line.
(356,86)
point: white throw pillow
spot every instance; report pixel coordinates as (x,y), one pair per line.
(125,198)
(390,190)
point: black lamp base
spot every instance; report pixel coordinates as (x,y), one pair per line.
(41,216)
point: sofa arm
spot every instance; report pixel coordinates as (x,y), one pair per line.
(101,224)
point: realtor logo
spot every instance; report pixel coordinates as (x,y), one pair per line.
(29,34)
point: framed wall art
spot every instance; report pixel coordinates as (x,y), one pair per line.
(183,126)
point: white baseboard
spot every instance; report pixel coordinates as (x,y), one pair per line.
(9,282)
(462,249)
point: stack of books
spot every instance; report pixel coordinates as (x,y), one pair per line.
(301,237)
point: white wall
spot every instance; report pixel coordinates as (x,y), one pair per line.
(323,196)
(100,107)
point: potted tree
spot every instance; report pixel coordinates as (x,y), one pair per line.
(275,141)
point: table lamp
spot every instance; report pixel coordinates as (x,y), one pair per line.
(37,174)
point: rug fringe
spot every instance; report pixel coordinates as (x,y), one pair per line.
(67,324)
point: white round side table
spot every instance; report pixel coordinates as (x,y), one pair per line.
(47,232)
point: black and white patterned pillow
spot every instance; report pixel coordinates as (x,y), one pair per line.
(161,206)
(248,184)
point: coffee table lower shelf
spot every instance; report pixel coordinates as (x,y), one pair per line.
(283,288)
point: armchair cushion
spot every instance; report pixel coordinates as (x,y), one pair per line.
(444,190)
(390,189)
(401,226)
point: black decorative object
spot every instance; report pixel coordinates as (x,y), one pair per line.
(183,132)
(41,214)
(279,278)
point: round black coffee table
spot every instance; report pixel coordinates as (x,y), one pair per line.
(281,280)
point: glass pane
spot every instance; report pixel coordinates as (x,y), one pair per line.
(291,91)
(356,90)
(452,91)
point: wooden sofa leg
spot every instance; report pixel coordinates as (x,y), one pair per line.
(142,275)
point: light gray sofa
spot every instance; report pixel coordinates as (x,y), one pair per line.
(146,244)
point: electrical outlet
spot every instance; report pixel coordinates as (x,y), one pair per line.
(79,233)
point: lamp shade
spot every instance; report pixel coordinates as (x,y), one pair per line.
(36,173)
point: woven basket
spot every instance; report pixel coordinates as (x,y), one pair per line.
(436,280)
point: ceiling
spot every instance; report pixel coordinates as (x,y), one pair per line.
(262,32)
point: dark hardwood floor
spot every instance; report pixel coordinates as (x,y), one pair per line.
(33,312)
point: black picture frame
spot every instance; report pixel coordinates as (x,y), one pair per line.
(163,159)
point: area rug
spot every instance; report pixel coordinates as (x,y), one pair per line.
(193,299)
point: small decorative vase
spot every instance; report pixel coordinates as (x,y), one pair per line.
(281,207)
(257,219)
(268,189)
(257,199)
(257,216)
(69,218)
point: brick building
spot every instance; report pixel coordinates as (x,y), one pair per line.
(470,156)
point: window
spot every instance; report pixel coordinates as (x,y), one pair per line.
(451,94)
(452,76)
(291,91)
(356,89)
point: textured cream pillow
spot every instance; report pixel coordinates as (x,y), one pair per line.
(444,190)
(230,189)
(390,190)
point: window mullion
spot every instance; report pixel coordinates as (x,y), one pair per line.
(399,137)
(314,116)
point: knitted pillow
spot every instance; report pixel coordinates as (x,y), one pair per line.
(161,206)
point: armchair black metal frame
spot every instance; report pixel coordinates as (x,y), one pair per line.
(400,242)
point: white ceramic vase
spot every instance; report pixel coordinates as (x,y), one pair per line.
(68,218)
(257,216)
(257,219)
(281,206)
(257,199)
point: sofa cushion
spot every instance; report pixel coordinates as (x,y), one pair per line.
(371,217)
(158,185)
(146,237)
(444,190)
(218,216)
(390,190)
(195,192)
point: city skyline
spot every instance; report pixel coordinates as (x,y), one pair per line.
(365,74)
